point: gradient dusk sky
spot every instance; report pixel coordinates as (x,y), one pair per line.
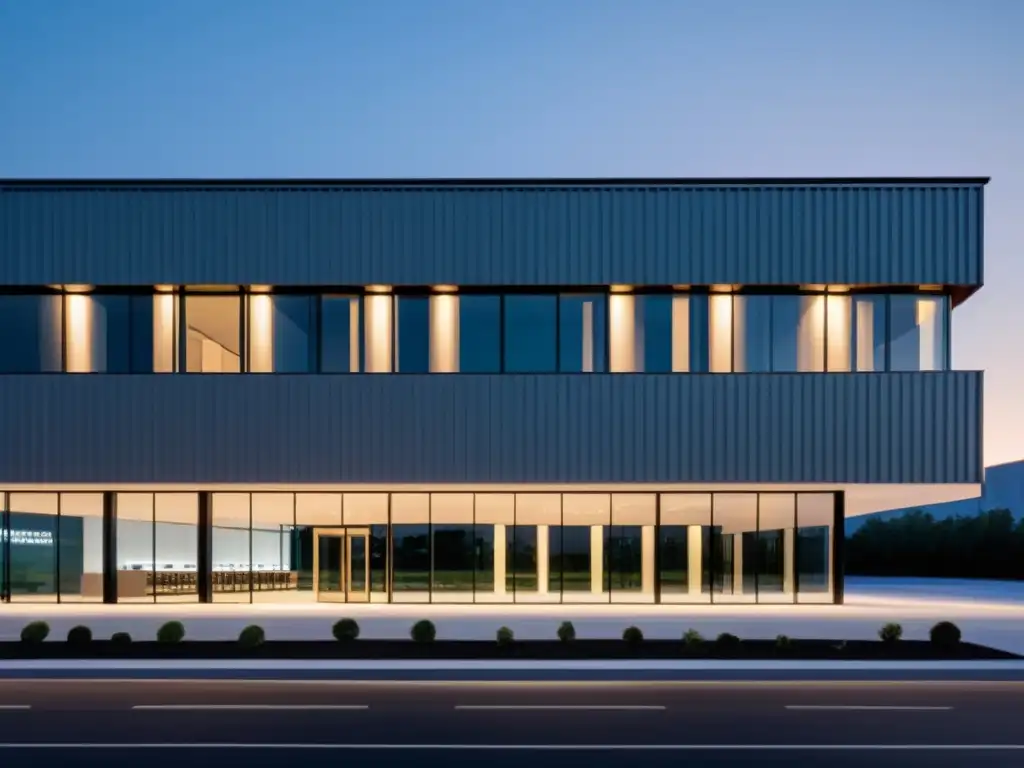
(256,88)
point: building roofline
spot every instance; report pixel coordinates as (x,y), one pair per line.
(499,182)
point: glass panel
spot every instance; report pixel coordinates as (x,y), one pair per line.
(232,547)
(81,547)
(282,333)
(494,530)
(700,333)
(684,548)
(30,334)
(340,334)
(655,334)
(720,332)
(213,341)
(451,521)
(410,532)
(585,519)
(536,550)
(136,548)
(312,510)
(356,565)
(868,326)
(274,578)
(798,333)
(752,329)
(480,334)
(814,517)
(330,557)
(734,547)
(5,530)
(176,531)
(838,325)
(775,540)
(33,554)
(530,334)
(97,333)
(583,329)
(917,340)
(631,545)
(163,314)
(412,336)
(370,510)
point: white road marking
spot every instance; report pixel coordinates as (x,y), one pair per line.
(545,747)
(251,706)
(586,707)
(867,707)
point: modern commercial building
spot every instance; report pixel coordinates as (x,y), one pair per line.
(500,391)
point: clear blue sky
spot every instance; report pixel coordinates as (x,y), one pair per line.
(543,88)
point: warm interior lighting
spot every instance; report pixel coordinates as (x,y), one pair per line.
(261,333)
(445,288)
(930,287)
(680,287)
(838,310)
(721,320)
(444,334)
(164,288)
(622,333)
(164,333)
(722,288)
(259,288)
(621,288)
(78,326)
(378,289)
(837,289)
(379,314)
(77,288)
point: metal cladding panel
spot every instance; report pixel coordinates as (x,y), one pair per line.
(577,428)
(501,235)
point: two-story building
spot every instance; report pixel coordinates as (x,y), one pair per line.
(489,391)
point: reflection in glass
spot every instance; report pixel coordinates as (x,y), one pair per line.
(410,535)
(282,333)
(530,334)
(775,543)
(412,335)
(684,548)
(451,516)
(583,329)
(479,334)
(312,510)
(494,579)
(869,332)
(30,334)
(798,333)
(571,548)
(539,547)
(699,351)
(624,560)
(213,341)
(918,328)
(274,578)
(341,334)
(370,510)
(231,547)
(330,562)
(752,333)
(814,516)
(98,333)
(80,561)
(734,546)
(32,540)
(655,336)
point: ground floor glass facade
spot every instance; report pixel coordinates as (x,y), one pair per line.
(424,547)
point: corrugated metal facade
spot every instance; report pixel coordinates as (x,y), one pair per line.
(656,234)
(876,427)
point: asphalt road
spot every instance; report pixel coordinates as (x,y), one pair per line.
(205,722)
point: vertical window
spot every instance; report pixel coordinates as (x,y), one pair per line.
(868,326)
(412,334)
(161,316)
(631,546)
(282,333)
(312,511)
(97,333)
(232,548)
(136,575)
(370,510)
(494,521)
(814,517)
(586,518)
(480,336)
(453,547)
(32,539)
(734,547)
(411,553)
(270,538)
(341,334)
(537,559)
(213,334)
(798,333)
(700,327)
(776,526)
(582,333)
(531,330)
(684,548)
(176,546)
(657,340)
(80,555)
(30,334)
(752,333)
(918,332)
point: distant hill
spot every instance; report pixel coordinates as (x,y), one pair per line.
(1003,489)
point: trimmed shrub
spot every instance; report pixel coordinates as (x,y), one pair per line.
(945,634)
(633,636)
(252,636)
(345,630)
(727,640)
(35,632)
(171,632)
(693,638)
(566,632)
(505,636)
(423,631)
(890,633)
(79,635)
(121,638)
(783,643)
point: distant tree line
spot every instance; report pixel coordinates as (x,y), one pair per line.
(987,546)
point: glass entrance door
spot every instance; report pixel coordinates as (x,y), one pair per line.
(341,565)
